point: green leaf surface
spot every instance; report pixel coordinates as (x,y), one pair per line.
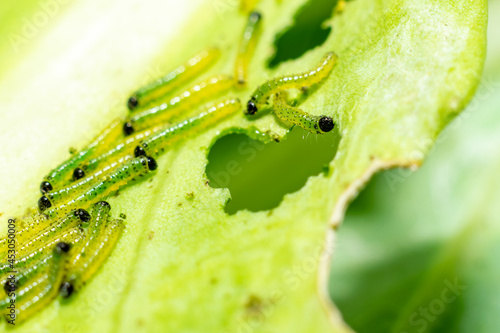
(419,253)
(405,69)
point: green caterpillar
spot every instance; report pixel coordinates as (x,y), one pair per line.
(178,105)
(62,174)
(157,143)
(247,47)
(132,170)
(314,124)
(314,76)
(88,256)
(39,289)
(174,79)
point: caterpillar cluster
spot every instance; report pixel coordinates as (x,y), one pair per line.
(71,234)
(59,259)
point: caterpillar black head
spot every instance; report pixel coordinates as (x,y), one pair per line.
(326,124)
(66,290)
(78,174)
(44,203)
(104,204)
(139,151)
(256,16)
(10,285)
(251,107)
(128,128)
(62,247)
(152,165)
(45,187)
(82,214)
(132,103)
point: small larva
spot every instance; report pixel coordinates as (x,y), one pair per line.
(30,265)
(25,274)
(83,250)
(132,170)
(247,47)
(41,289)
(33,225)
(100,213)
(95,251)
(21,290)
(112,158)
(174,79)
(298,81)
(313,124)
(72,236)
(77,188)
(158,142)
(83,185)
(43,225)
(63,173)
(179,105)
(71,220)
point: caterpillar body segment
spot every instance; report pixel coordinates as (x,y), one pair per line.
(40,289)
(298,81)
(33,225)
(111,159)
(73,190)
(65,172)
(173,79)
(24,275)
(313,124)
(159,142)
(179,105)
(93,229)
(44,235)
(49,234)
(134,169)
(247,47)
(93,253)
(72,236)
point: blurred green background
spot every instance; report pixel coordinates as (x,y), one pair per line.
(419,252)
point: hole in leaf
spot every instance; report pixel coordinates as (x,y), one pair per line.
(259,175)
(306,33)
